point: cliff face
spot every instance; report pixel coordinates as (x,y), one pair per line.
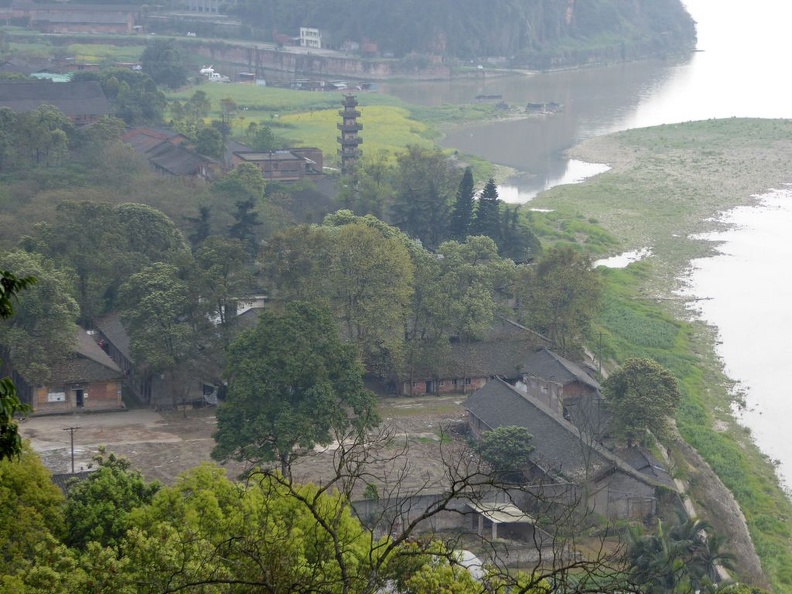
(532,33)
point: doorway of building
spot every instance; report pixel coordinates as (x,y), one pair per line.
(79,398)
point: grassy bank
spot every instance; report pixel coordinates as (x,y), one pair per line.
(667,183)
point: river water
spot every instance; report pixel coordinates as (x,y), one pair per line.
(739,71)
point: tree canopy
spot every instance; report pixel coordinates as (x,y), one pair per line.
(642,395)
(292,383)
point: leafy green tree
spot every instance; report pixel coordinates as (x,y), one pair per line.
(424,187)
(642,396)
(292,383)
(371,280)
(506,450)
(31,511)
(209,142)
(42,332)
(486,220)
(221,277)
(162,61)
(104,244)
(189,117)
(370,189)
(97,506)
(260,137)
(132,93)
(472,274)
(518,240)
(560,297)
(165,329)
(462,216)
(10,441)
(208,534)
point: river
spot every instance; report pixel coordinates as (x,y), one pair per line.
(738,71)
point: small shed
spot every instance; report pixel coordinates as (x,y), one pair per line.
(504,520)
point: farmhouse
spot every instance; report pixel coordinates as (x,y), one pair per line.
(83,102)
(288,165)
(87,380)
(77,18)
(565,455)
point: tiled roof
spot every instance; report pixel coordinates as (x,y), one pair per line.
(111,326)
(73,99)
(548,365)
(562,450)
(89,363)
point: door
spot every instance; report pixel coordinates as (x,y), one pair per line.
(79,398)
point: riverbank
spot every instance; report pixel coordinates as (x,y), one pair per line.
(667,185)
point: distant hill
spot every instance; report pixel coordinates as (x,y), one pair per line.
(535,33)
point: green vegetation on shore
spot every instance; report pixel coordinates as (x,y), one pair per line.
(667,183)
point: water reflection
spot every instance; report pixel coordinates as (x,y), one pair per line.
(575,172)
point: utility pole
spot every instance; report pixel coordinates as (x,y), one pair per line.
(71,431)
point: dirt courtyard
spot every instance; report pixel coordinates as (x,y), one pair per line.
(164,444)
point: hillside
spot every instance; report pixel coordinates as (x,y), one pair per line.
(528,33)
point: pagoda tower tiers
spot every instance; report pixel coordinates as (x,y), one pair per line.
(349,139)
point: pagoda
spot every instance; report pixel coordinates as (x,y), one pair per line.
(349,139)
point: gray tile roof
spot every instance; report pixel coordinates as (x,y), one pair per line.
(561,450)
(548,365)
(89,363)
(83,98)
(111,326)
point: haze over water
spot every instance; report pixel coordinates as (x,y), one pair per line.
(741,70)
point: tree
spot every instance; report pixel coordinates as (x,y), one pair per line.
(261,138)
(221,277)
(31,510)
(292,382)
(462,216)
(97,506)
(42,332)
(506,450)
(560,296)
(518,240)
(10,441)
(642,396)
(209,142)
(165,329)
(487,217)
(163,63)
(189,117)
(423,192)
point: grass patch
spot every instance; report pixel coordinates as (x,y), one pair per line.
(667,183)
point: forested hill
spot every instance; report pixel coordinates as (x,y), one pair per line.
(528,32)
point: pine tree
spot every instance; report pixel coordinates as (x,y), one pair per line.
(462,216)
(487,218)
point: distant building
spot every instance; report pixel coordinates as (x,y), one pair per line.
(77,18)
(83,102)
(207,6)
(167,153)
(287,165)
(88,379)
(310,38)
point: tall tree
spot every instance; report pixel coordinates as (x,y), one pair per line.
(642,396)
(10,440)
(165,328)
(462,216)
(486,220)
(162,61)
(293,382)
(42,332)
(423,198)
(560,297)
